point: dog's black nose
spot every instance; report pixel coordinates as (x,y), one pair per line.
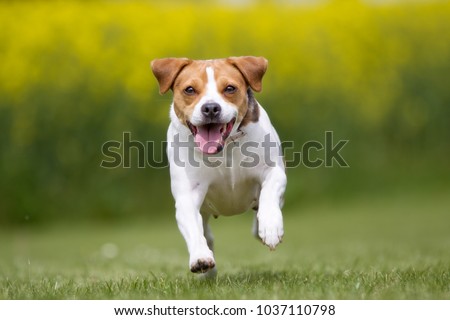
(211,110)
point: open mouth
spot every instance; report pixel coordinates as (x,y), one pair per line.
(210,138)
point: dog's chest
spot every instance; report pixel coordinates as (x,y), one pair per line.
(231,193)
(234,185)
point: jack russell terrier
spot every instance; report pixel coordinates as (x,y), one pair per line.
(212,112)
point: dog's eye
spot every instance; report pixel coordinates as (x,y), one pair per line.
(189,91)
(230,89)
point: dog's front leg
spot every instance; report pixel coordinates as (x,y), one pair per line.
(190,223)
(188,200)
(270,220)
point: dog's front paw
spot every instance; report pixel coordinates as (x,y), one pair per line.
(270,230)
(203,264)
(271,236)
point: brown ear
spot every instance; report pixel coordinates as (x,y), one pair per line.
(252,68)
(166,70)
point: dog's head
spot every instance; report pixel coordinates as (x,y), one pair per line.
(210,97)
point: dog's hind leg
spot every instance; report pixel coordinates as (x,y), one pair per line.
(207,232)
(210,241)
(255,226)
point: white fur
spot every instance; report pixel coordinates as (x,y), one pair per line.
(203,191)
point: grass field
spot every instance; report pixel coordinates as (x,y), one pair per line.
(392,247)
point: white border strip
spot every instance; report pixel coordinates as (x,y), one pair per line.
(205,309)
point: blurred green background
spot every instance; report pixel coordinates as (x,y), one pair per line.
(75,74)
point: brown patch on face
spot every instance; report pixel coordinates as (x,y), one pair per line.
(252,70)
(228,76)
(184,101)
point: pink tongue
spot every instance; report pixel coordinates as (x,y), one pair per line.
(208,138)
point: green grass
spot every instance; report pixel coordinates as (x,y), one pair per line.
(392,247)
